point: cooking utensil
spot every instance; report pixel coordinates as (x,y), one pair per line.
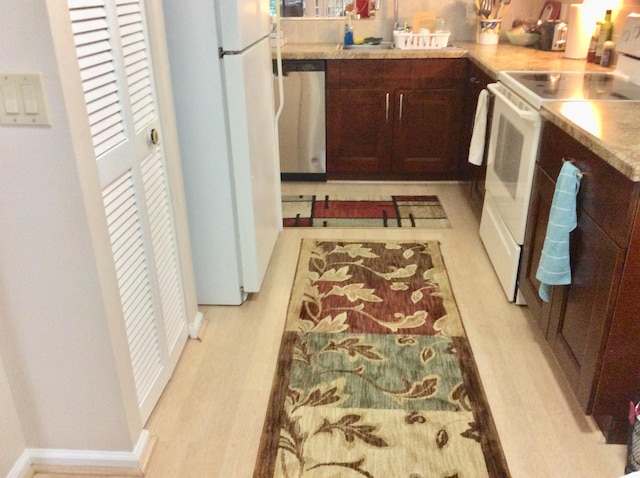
(485,8)
(501,8)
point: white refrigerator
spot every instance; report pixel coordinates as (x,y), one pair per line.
(221,75)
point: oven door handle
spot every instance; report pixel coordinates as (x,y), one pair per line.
(532,116)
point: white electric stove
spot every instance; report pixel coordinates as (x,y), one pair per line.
(623,84)
(514,142)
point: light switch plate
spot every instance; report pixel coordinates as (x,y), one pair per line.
(23,101)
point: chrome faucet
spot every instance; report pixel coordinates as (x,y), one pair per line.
(395,15)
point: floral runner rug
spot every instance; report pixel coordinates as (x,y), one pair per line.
(375,376)
(373,211)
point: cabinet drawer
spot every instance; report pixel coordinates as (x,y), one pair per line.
(424,73)
(419,73)
(357,73)
(605,193)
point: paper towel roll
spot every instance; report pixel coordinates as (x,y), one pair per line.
(581,24)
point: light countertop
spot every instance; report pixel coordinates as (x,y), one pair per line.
(609,129)
(491,58)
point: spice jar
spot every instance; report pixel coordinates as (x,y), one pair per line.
(607,53)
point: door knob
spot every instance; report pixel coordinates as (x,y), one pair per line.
(154,136)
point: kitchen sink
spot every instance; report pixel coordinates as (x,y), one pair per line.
(368,46)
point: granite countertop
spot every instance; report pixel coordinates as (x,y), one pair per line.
(491,58)
(609,129)
(495,58)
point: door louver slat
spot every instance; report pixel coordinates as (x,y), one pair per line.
(96,24)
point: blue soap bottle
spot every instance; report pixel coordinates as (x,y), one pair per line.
(348,35)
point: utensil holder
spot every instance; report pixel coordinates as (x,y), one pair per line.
(489,31)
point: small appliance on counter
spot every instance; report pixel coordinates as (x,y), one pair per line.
(553,35)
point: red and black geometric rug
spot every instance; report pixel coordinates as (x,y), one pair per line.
(378,211)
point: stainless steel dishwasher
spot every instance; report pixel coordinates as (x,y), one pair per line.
(302,135)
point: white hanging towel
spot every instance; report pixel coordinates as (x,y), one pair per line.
(476,148)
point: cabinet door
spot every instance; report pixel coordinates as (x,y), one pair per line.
(477,81)
(359,133)
(581,311)
(539,208)
(427,133)
(575,320)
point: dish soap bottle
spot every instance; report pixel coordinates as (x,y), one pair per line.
(606,29)
(348,35)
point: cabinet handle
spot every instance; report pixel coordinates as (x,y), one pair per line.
(572,161)
(400,113)
(387,109)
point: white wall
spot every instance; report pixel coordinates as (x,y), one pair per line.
(12,440)
(61,345)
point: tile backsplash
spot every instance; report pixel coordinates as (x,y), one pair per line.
(459,15)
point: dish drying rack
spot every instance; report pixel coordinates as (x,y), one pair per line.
(420,41)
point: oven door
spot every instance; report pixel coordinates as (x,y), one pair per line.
(511,158)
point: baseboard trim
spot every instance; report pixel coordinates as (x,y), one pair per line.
(194,327)
(85,462)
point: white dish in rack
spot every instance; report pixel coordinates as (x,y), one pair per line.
(420,41)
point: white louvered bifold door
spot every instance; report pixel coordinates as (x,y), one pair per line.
(113,53)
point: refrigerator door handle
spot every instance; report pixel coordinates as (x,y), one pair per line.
(280,75)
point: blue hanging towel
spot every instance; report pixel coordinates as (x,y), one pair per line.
(555,267)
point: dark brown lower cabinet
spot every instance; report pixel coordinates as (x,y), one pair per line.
(394,119)
(581,311)
(585,322)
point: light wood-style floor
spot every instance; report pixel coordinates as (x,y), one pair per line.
(209,420)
